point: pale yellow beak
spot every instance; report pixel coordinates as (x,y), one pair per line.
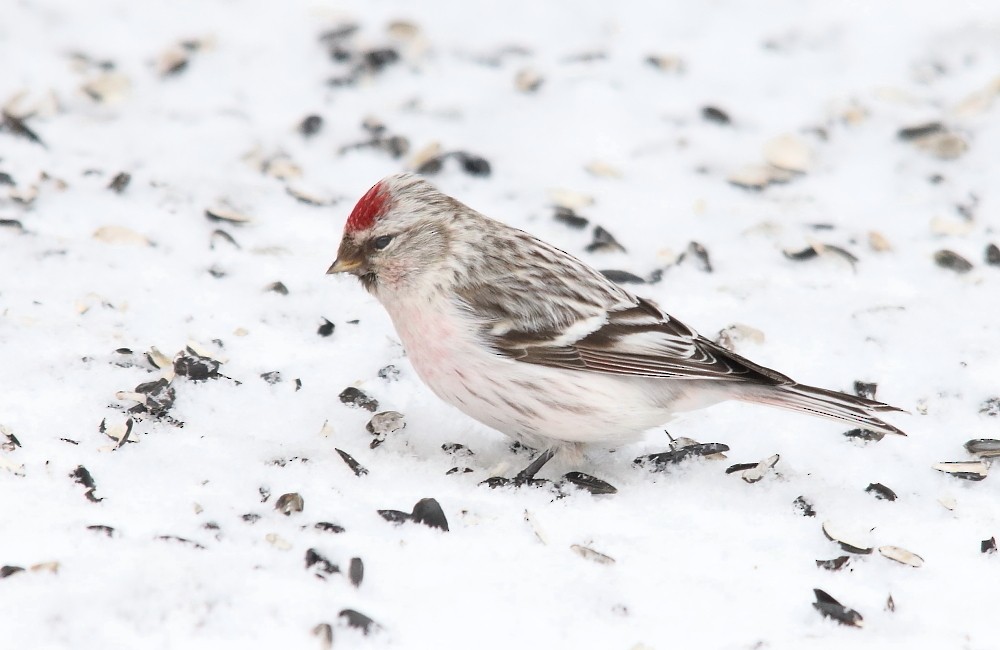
(343,266)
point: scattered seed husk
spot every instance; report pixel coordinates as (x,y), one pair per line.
(817,249)
(310,125)
(324,631)
(358,399)
(737,333)
(356,571)
(456,449)
(82,476)
(355,466)
(919,131)
(535,528)
(789,153)
(901,555)
(666,63)
(951,226)
(221,235)
(265,494)
(664,460)
(993,255)
(528,80)
(195,367)
(277,287)
(326,329)
(602,169)
(758,471)
(395,516)
(251,517)
(273,377)
(120,182)
(358,620)
(948,503)
(878,242)
(758,176)
(24,196)
(990,407)
(120,235)
(227,215)
(881,492)
(429,513)
(281,167)
(829,607)
(172,61)
(278,542)
(948,259)
(865,389)
(308,197)
(13,224)
(119,432)
(570,199)
(699,253)
(836,564)
(327,527)
(100,528)
(604,241)
(588,553)
(107,87)
(386,422)
(943,145)
(314,557)
(289,503)
(865,434)
(590,483)
(804,507)
(968,470)
(569,217)
(11,442)
(716,115)
(425,511)
(16,125)
(8,570)
(988,545)
(51,567)
(389,373)
(851,546)
(983,447)
(622,277)
(182,540)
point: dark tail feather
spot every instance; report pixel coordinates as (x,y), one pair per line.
(828,404)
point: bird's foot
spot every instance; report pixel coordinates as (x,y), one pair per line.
(526,476)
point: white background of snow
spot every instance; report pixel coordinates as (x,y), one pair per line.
(703,559)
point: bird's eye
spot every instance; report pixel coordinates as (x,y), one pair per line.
(381,242)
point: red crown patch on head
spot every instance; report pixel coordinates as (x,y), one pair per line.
(368,209)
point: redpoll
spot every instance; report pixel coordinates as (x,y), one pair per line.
(531,341)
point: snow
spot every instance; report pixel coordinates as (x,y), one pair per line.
(702,559)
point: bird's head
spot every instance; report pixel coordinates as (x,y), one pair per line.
(397,231)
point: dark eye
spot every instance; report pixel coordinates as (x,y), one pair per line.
(381,242)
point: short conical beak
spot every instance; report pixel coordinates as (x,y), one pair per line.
(350,258)
(343,266)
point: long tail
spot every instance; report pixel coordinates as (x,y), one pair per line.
(827,404)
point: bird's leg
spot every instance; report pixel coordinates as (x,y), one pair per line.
(528,473)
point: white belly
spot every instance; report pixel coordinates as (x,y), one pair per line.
(533,403)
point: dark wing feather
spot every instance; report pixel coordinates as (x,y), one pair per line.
(640,341)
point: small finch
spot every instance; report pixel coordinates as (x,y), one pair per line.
(532,342)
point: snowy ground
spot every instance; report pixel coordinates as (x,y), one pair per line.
(200,103)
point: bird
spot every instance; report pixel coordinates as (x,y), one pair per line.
(536,344)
